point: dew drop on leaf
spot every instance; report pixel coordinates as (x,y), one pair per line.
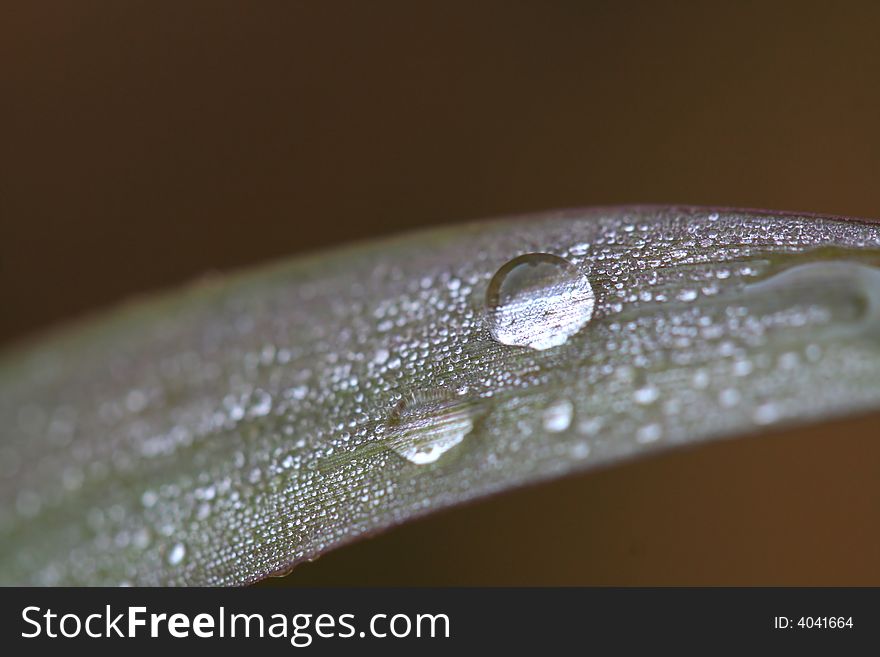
(557,417)
(646,395)
(176,554)
(427,424)
(580,450)
(649,433)
(538,300)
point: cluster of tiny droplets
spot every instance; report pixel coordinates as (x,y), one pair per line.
(247,426)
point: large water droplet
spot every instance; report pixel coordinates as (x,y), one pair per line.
(538,300)
(426,425)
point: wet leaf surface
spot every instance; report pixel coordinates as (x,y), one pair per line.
(234,429)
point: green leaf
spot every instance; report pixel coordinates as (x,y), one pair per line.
(239,427)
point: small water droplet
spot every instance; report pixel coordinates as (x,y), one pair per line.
(646,395)
(298,392)
(136,401)
(557,417)
(742,368)
(149,499)
(261,403)
(141,538)
(590,426)
(649,433)
(176,554)
(538,300)
(729,397)
(766,414)
(234,407)
(426,425)
(701,379)
(580,450)
(381,357)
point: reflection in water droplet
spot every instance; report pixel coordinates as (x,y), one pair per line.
(428,424)
(558,416)
(538,300)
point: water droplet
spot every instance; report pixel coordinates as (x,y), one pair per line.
(236,410)
(700,379)
(538,300)
(176,554)
(141,538)
(742,368)
(557,417)
(261,403)
(149,499)
(580,450)
(729,397)
(590,426)
(646,395)
(766,414)
(136,401)
(649,433)
(298,392)
(580,249)
(428,424)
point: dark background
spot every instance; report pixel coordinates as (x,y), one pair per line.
(144,143)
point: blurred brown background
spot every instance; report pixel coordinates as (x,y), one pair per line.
(145,143)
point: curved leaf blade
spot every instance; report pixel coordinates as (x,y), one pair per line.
(232,430)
